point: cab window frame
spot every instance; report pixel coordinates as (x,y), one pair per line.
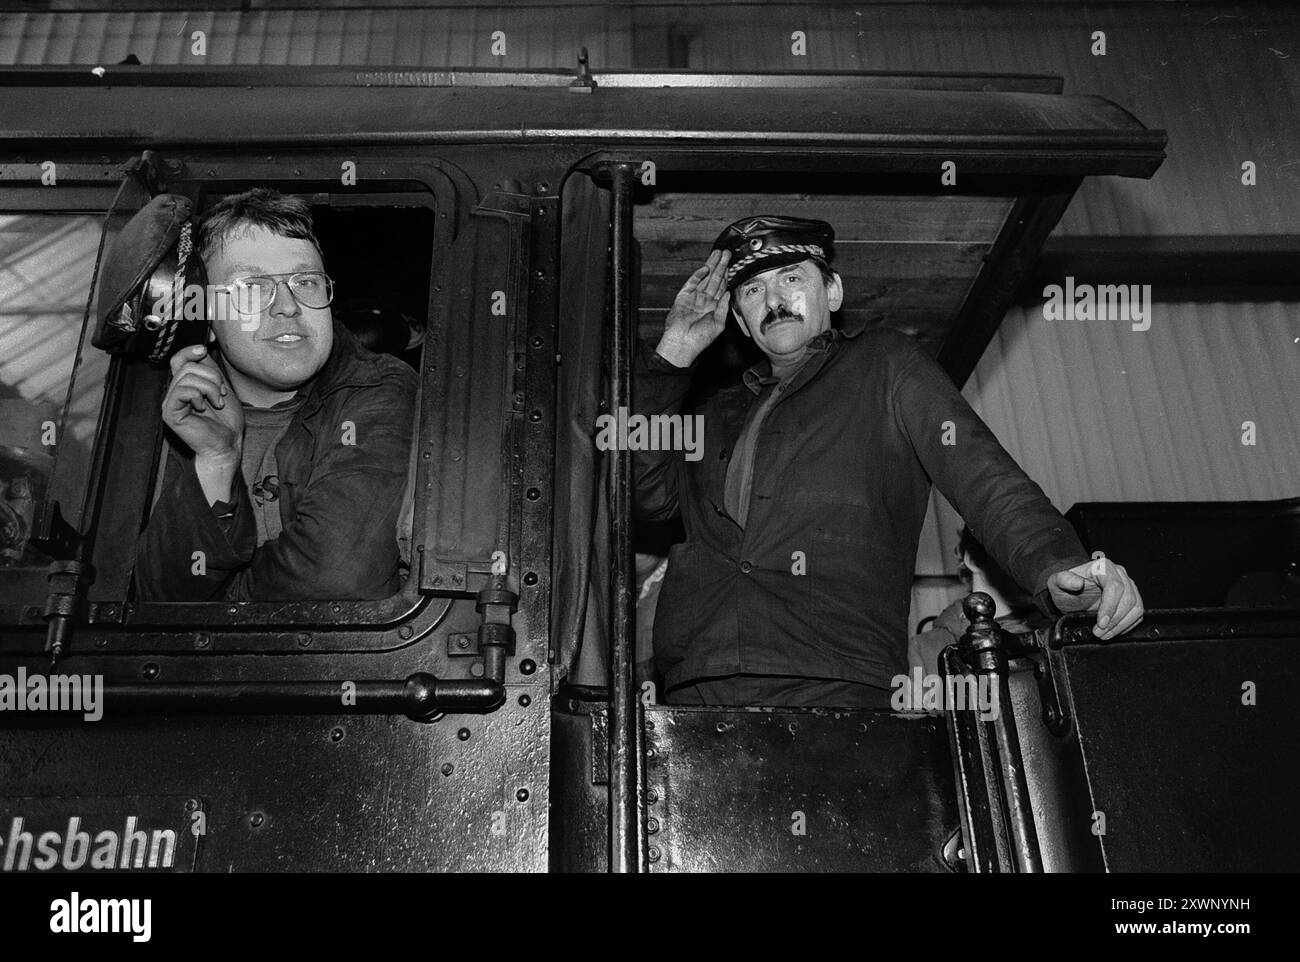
(282,626)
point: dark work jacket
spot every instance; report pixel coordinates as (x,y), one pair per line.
(339,503)
(818,582)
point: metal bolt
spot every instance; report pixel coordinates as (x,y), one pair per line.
(530,578)
(525,701)
(522,794)
(202,640)
(653,854)
(256,819)
(651,797)
(527,666)
(652,825)
(336,735)
(405,632)
(448,768)
(463,734)
(476,669)
(150,671)
(533,494)
(192,805)
(543,187)
(537,342)
(534,415)
(462,641)
(101,642)
(304,639)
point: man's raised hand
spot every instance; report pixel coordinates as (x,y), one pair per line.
(201,408)
(698,314)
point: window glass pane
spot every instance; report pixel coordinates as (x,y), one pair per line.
(46,261)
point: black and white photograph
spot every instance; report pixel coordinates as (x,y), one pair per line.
(710,438)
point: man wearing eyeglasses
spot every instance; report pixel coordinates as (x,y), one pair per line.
(289,477)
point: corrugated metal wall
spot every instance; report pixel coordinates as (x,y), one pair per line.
(1092,410)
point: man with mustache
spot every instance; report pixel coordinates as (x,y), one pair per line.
(288,441)
(802,516)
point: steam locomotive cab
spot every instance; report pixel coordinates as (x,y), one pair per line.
(510,242)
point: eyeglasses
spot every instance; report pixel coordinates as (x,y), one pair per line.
(251,296)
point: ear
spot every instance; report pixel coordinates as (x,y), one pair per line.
(834,293)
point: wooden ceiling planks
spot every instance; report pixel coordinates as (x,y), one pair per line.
(906,260)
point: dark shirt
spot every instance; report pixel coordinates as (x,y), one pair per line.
(817,582)
(339,502)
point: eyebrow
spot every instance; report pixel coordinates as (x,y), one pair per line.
(255,269)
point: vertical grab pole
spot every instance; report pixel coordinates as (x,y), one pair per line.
(985,653)
(625,830)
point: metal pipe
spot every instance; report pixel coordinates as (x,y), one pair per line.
(419,696)
(625,808)
(1024,833)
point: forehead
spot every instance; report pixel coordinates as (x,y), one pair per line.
(254,247)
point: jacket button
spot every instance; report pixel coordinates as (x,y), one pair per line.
(746,567)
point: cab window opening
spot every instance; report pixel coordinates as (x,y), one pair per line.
(46,261)
(380,261)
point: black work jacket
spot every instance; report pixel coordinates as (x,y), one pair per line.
(339,502)
(818,582)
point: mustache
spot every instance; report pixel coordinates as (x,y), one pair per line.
(780,314)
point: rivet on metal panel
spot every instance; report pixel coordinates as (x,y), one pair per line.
(522,795)
(722,726)
(651,797)
(101,642)
(525,701)
(150,671)
(448,768)
(256,819)
(530,578)
(476,669)
(304,640)
(527,666)
(202,640)
(192,805)
(653,854)
(405,632)
(463,734)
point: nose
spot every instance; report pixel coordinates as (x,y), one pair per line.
(285,304)
(775,299)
